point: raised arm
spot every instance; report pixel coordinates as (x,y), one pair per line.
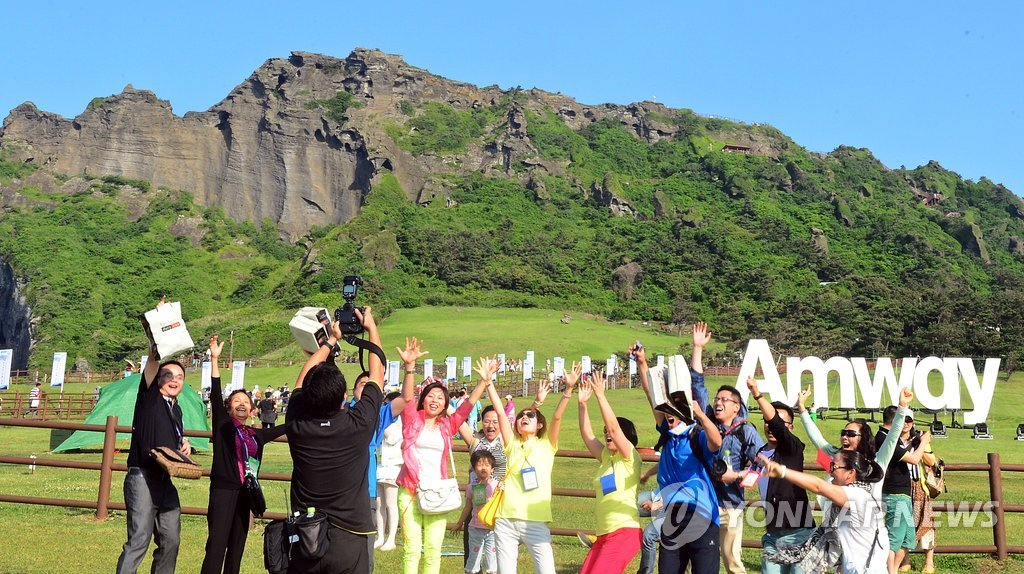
(710,428)
(767,409)
(216,392)
(410,355)
(817,439)
(593,445)
(892,440)
(622,443)
(555,424)
(699,389)
(638,352)
(321,354)
(467,435)
(153,364)
(376,366)
(807,482)
(486,368)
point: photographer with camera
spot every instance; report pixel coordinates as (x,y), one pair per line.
(330,449)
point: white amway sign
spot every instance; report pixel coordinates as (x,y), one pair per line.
(853,373)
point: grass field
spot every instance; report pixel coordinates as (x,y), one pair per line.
(47,539)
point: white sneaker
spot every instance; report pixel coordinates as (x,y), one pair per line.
(378,542)
(387,546)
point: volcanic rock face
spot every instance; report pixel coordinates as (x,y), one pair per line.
(269,150)
(15,318)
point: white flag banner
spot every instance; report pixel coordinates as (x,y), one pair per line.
(6,357)
(237,375)
(428,368)
(501,362)
(559,367)
(609,367)
(661,360)
(206,382)
(392,375)
(529,357)
(60,360)
(632,366)
(467,367)
(586,364)
(527,370)
(143,362)
(449,367)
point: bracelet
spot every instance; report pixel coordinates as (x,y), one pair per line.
(408,372)
(783,473)
(565,396)
(758,397)
(537,404)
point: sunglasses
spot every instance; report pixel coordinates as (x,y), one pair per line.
(832,467)
(528,414)
(848,433)
(908,420)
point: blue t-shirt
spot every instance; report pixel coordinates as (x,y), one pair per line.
(681,475)
(387,416)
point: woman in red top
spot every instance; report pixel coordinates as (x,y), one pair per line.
(427,431)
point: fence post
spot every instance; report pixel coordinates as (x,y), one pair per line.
(106,467)
(995,486)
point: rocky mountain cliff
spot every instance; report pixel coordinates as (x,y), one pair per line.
(269,151)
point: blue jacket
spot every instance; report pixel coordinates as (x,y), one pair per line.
(742,442)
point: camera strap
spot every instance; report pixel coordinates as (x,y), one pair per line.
(364,345)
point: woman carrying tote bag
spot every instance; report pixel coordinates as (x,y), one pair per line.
(427,431)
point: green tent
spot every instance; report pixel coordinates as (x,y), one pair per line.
(118,399)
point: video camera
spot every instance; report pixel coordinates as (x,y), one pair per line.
(345,315)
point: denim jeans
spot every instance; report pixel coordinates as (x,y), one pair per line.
(649,547)
(153,512)
(691,541)
(785,537)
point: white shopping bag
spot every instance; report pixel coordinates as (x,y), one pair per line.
(670,388)
(166,329)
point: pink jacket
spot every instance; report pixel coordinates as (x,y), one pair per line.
(412,425)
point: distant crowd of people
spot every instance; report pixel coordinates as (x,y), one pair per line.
(377,465)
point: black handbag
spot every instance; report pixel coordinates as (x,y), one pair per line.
(254,492)
(276,547)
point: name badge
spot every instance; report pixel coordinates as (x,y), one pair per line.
(252,466)
(750,479)
(530,481)
(479,494)
(608,484)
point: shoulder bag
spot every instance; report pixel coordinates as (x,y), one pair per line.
(440,496)
(488,513)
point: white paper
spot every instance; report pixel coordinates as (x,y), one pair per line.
(428,368)
(450,366)
(6,357)
(60,360)
(237,375)
(206,381)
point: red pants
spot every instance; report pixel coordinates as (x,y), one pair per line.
(612,552)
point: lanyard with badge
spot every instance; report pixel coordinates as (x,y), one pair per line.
(479,494)
(252,464)
(529,473)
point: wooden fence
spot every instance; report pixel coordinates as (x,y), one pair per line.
(106,467)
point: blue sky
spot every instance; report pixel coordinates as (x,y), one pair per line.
(913,81)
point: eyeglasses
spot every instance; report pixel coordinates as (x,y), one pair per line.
(790,423)
(848,433)
(169,376)
(832,467)
(724,400)
(528,414)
